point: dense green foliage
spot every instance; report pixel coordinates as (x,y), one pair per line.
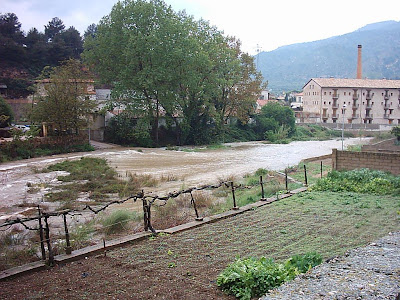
(23,56)
(6,114)
(396,132)
(360,181)
(275,122)
(32,147)
(251,277)
(65,105)
(161,62)
(286,70)
(126,129)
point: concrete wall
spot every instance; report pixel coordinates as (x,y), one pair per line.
(347,160)
(384,146)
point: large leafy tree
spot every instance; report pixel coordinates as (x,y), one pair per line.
(160,61)
(64,102)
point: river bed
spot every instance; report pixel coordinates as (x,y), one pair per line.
(192,168)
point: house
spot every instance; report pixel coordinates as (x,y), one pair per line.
(298,103)
(353,101)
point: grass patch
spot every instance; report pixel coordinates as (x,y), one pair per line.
(117,221)
(313,171)
(93,176)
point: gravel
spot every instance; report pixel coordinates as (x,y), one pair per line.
(371,272)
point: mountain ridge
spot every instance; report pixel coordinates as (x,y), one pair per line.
(289,67)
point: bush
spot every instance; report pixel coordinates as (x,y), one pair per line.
(359,181)
(117,220)
(253,277)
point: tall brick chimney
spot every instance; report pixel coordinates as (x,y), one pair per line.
(359,63)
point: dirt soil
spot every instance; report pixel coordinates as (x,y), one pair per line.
(186,265)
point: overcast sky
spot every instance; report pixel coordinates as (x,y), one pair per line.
(267,23)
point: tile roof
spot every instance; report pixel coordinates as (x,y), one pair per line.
(357,83)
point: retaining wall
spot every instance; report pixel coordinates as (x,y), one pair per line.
(347,160)
(385,146)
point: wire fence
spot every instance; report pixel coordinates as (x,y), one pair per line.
(41,222)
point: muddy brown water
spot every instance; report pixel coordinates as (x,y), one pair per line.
(188,168)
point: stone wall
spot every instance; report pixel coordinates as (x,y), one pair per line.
(347,160)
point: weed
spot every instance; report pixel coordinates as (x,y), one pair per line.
(253,277)
(117,221)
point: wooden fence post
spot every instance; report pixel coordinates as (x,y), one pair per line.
(305,175)
(47,232)
(286,180)
(68,248)
(262,189)
(233,196)
(198,218)
(145,217)
(43,250)
(321,168)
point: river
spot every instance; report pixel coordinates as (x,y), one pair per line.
(189,168)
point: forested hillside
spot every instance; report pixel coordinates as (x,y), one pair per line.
(290,67)
(24,55)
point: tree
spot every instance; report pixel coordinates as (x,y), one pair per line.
(72,43)
(396,132)
(65,104)
(11,39)
(54,27)
(90,31)
(160,61)
(6,114)
(37,50)
(275,121)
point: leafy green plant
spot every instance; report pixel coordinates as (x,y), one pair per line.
(359,181)
(304,263)
(251,277)
(396,132)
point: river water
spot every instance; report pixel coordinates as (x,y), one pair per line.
(188,168)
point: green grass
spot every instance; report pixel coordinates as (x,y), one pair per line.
(117,221)
(93,176)
(313,171)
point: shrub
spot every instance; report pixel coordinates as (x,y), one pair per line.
(253,277)
(117,220)
(305,262)
(359,181)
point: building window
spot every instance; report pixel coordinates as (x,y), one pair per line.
(325,93)
(345,93)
